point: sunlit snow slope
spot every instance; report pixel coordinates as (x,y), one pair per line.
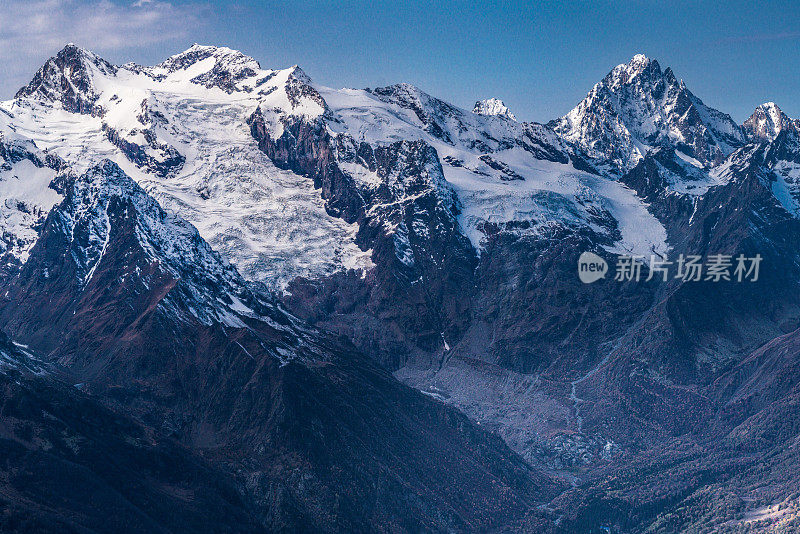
(180,130)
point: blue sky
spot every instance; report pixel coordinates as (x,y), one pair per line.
(540,58)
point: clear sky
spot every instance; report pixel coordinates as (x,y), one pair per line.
(540,58)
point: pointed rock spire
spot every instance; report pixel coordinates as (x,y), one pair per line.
(69,78)
(638,107)
(766,122)
(493,106)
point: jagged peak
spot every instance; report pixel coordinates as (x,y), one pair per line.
(69,78)
(640,62)
(299,74)
(493,107)
(766,122)
(71,51)
(771,110)
(407,93)
(70,46)
(215,50)
(210,66)
(626,73)
(412,97)
(198,46)
(402,87)
(404,94)
(198,52)
(637,106)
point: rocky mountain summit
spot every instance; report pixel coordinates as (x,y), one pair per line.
(766,122)
(493,106)
(252,268)
(637,107)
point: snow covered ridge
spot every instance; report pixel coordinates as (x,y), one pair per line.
(180,130)
(165,236)
(493,106)
(68,79)
(210,288)
(501,171)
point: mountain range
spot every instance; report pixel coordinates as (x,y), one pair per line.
(234,299)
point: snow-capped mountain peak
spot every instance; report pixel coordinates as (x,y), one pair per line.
(299,74)
(638,107)
(198,52)
(493,106)
(210,66)
(180,130)
(766,122)
(625,73)
(69,78)
(640,59)
(202,131)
